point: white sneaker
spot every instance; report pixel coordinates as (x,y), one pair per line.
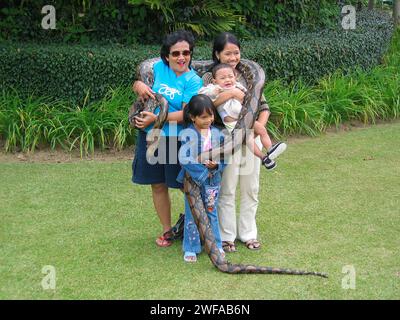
(276,150)
(268,163)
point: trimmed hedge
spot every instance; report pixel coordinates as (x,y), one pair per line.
(27,122)
(71,72)
(312,55)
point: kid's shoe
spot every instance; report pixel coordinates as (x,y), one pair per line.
(268,163)
(276,150)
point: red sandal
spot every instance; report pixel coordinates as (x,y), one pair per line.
(163,241)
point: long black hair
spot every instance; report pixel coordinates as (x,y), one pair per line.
(172,39)
(196,106)
(220,42)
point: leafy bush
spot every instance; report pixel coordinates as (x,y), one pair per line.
(27,122)
(78,21)
(71,72)
(274,17)
(139,21)
(311,55)
(203,18)
(365,96)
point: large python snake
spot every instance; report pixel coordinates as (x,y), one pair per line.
(255,79)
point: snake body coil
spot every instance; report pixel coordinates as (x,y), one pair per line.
(255,79)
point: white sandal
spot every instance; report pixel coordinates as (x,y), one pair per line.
(190,257)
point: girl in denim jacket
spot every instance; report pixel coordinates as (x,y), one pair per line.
(198,137)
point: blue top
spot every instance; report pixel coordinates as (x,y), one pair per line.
(192,146)
(176,89)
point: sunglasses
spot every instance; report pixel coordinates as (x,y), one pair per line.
(185,53)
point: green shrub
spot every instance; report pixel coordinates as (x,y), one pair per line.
(271,17)
(72,71)
(139,21)
(69,72)
(365,96)
(312,55)
(27,122)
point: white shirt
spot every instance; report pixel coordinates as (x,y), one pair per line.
(230,108)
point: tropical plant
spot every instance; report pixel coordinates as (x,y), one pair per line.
(29,122)
(201,17)
(66,71)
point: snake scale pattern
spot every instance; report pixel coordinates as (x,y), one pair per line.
(255,79)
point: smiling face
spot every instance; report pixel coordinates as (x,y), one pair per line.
(179,57)
(230,55)
(225,78)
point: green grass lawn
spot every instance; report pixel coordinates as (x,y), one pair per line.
(333,201)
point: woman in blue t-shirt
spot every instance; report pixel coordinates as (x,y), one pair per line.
(177,82)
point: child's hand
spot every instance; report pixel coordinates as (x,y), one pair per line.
(210,164)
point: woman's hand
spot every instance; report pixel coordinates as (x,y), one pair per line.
(210,164)
(238,94)
(143,91)
(226,95)
(217,90)
(146,119)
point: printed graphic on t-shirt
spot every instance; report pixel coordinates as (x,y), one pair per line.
(170,92)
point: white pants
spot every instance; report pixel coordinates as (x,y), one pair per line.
(245,170)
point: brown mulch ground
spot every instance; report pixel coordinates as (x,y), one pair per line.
(61,156)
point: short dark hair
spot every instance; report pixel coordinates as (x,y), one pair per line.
(173,38)
(221,66)
(196,106)
(220,42)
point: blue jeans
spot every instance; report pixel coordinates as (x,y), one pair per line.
(191,236)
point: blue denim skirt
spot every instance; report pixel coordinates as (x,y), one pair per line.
(166,166)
